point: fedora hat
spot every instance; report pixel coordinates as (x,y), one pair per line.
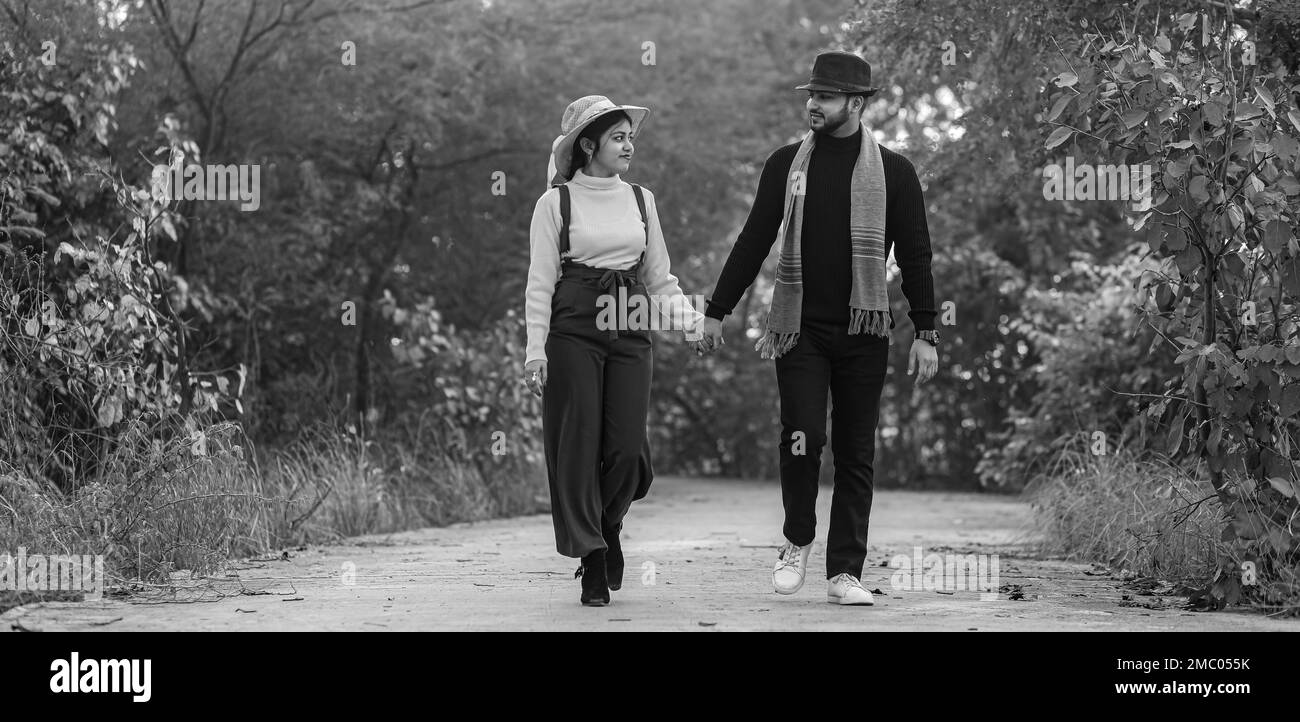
(840,72)
(580,114)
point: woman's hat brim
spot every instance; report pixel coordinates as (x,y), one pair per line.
(562,150)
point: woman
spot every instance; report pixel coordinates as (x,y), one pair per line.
(594,376)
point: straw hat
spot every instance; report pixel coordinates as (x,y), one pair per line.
(581,113)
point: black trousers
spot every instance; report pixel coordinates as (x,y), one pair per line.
(594,409)
(852,368)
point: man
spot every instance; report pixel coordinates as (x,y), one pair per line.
(839,204)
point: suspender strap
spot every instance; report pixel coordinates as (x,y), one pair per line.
(640,205)
(564,219)
(566,216)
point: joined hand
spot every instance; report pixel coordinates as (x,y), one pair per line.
(711,337)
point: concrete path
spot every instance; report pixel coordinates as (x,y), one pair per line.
(699,557)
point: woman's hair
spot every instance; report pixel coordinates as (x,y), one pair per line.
(593,131)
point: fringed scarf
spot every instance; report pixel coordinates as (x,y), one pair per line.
(869,300)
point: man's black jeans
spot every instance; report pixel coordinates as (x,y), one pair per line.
(853,369)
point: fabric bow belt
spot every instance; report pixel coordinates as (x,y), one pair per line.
(609,280)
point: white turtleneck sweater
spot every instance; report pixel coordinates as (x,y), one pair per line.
(605,231)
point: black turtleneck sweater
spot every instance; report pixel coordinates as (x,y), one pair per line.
(827,267)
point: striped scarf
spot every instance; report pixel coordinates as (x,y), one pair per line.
(869,300)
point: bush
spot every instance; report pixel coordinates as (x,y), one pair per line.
(456,401)
(1138,512)
(1259,551)
(1125,510)
(1092,372)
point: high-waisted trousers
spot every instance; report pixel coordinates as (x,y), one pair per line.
(594,409)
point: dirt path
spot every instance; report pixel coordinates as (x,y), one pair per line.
(711,544)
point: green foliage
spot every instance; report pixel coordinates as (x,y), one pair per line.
(1279,30)
(116,369)
(1092,374)
(461,389)
(1259,559)
(1223,136)
(80,354)
(54,123)
(86,342)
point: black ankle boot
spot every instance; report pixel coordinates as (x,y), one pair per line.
(595,583)
(614,557)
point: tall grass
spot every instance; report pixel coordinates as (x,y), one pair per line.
(159,501)
(162,502)
(340,484)
(1141,514)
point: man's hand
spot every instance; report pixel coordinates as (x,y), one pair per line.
(924,358)
(711,330)
(535,376)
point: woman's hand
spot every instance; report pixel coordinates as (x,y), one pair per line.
(535,376)
(708,336)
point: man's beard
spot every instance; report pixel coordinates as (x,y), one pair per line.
(832,123)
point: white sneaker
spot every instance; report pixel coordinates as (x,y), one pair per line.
(846,589)
(791,568)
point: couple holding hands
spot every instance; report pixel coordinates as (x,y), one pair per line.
(838,201)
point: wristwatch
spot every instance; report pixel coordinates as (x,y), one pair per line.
(931,336)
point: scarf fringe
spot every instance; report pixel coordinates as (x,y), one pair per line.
(774,345)
(862,320)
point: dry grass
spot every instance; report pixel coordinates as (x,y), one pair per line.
(1142,515)
(159,504)
(153,507)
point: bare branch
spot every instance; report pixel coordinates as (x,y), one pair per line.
(162,17)
(475,158)
(379,11)
(194,26)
